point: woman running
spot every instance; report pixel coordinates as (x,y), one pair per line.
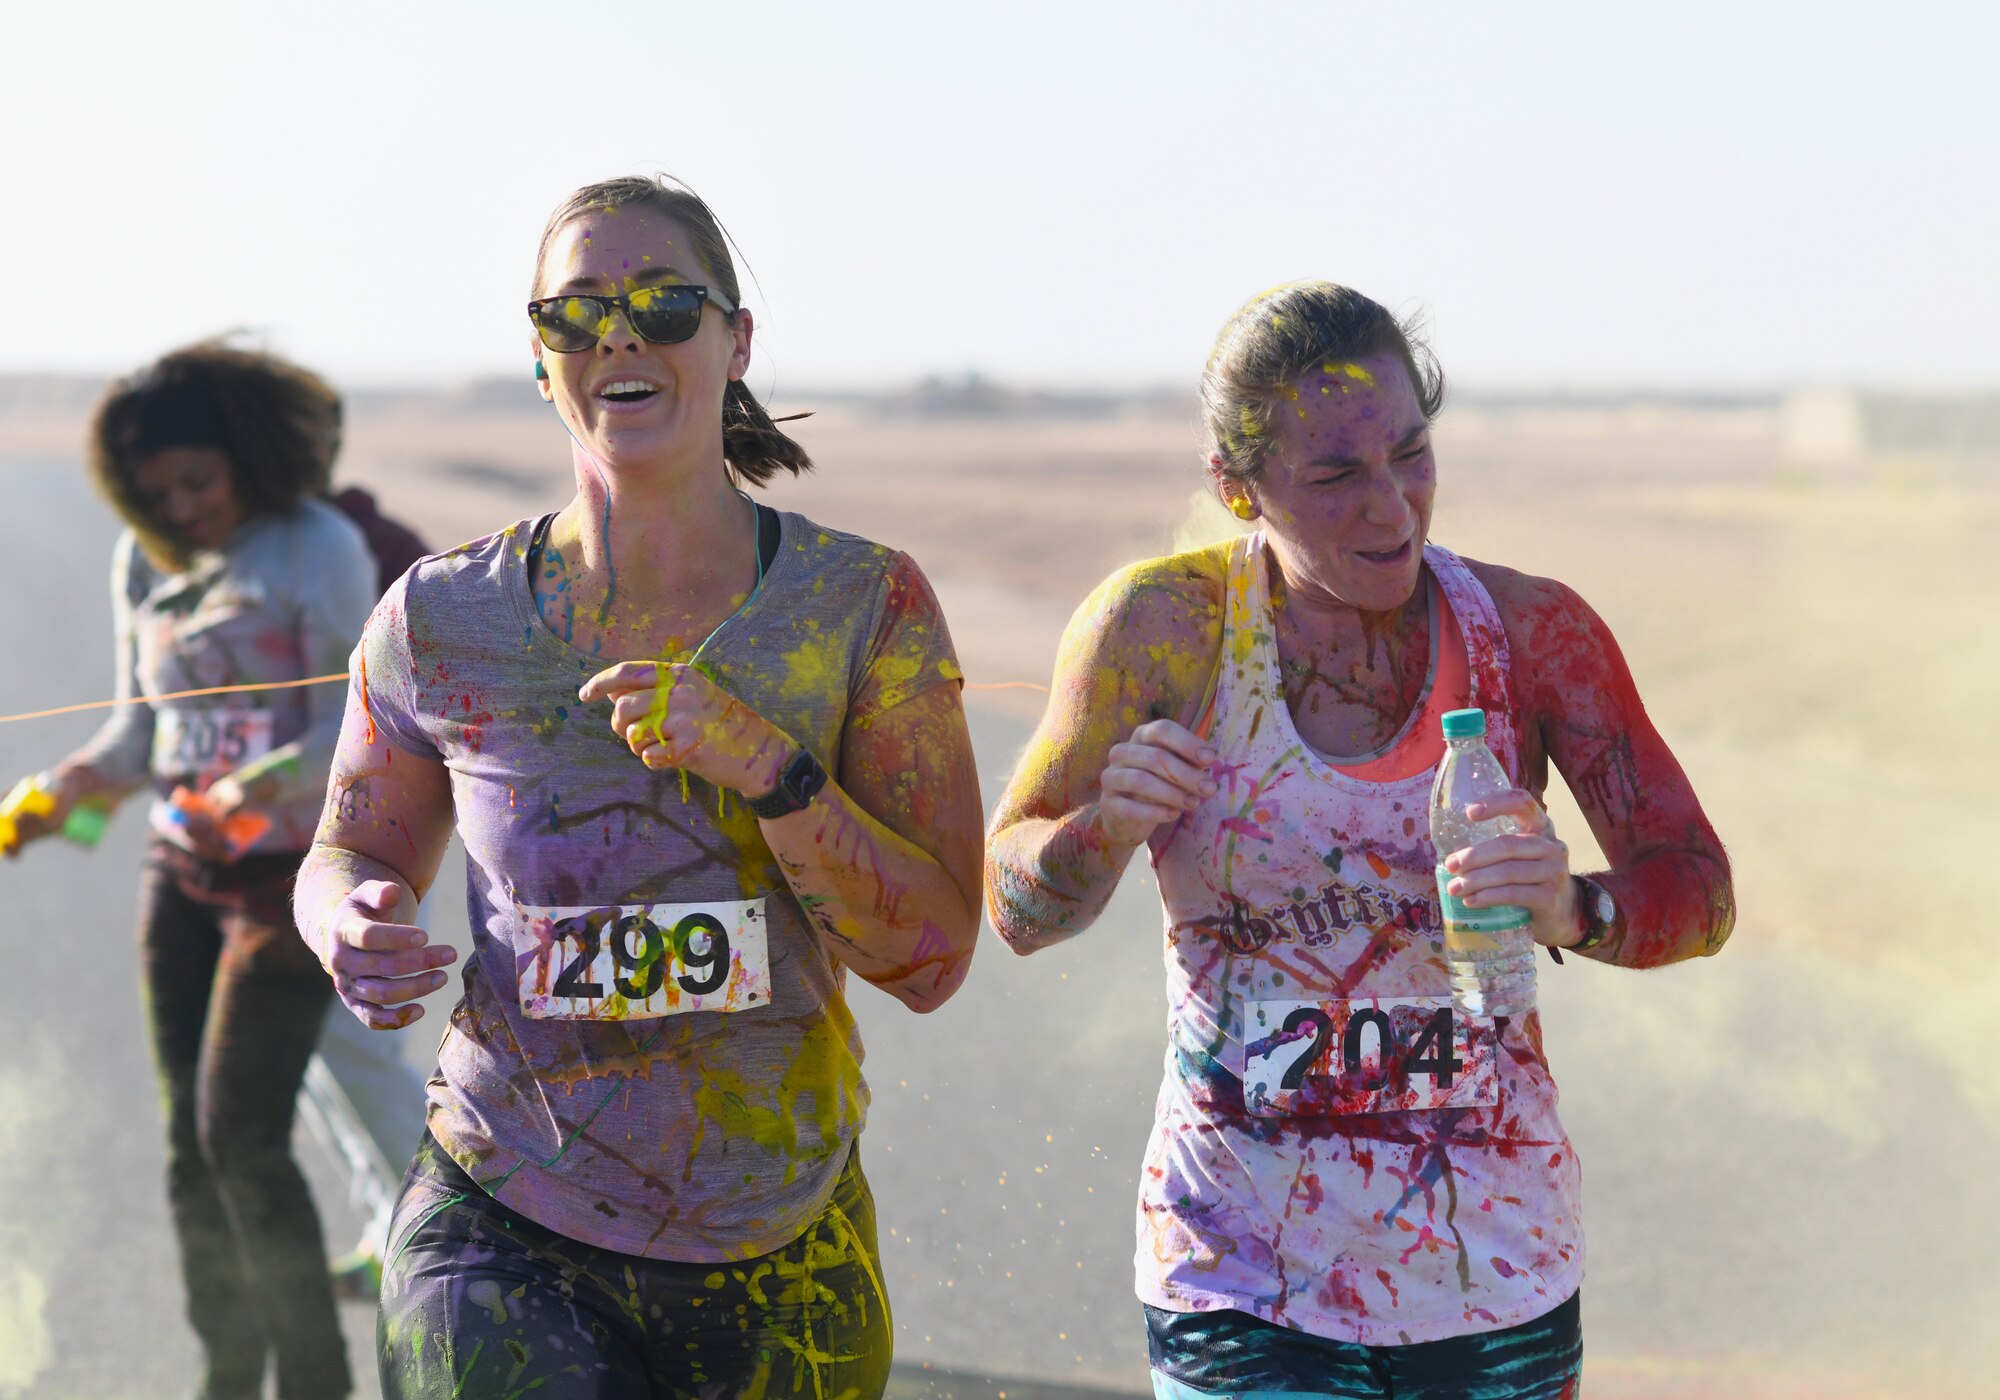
(231,572)
(640,1176)
(1263,717)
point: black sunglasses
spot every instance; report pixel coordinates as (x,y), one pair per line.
(665,315)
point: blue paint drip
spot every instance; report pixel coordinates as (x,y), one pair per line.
(610,568)
(1429,1174)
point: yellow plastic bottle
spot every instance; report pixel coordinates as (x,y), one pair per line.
(29,798)
(36,797)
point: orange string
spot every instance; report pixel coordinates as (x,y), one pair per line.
(173,695)
(329,680)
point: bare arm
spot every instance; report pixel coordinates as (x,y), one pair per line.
(1669,874)
(387,820)
(117,760)
(1113,757)
(884,859)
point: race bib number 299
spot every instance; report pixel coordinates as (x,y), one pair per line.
(1382,1055)
(613,962)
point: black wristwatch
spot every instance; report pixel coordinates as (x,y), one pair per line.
(799,781)
(1596,910)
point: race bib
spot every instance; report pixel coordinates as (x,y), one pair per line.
(1380,1055)
(203,744)
(634,962)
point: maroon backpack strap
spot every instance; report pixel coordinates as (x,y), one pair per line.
(394,545)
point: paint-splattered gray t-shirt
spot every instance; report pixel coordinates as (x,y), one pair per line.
(283,600)
(653,1052)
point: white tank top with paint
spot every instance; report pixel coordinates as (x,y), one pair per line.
(1334,1148)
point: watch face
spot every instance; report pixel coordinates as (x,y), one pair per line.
(799,781)
(1602,907)
(799,777)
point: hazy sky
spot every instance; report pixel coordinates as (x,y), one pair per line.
(1696,194)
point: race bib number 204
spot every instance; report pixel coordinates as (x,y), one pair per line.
(1381,1055)
(612,962)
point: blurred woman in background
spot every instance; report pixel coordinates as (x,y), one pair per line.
(231,572)
(1262,716)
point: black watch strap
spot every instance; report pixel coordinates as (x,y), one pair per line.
(1595,911)
(799,781)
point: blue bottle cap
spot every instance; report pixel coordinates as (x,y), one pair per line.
(1464,724)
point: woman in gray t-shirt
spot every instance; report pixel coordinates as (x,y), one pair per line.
(232,575)
(640,1164)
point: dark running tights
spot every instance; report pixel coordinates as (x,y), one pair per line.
(478,1300)
(234,1000)
(1207,1356)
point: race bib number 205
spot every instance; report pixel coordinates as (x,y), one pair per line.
(612,962)
(1381,1055)
(204,744)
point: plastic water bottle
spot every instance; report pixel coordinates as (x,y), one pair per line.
(1488,951)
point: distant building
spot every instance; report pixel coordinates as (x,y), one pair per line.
(1818,426)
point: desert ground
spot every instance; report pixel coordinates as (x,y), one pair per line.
(1782,1145)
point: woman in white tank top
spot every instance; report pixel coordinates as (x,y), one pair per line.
(1262,716)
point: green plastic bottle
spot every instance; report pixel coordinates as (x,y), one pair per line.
(86,822)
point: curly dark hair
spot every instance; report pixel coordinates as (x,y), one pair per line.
(753,445)
(278,424)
